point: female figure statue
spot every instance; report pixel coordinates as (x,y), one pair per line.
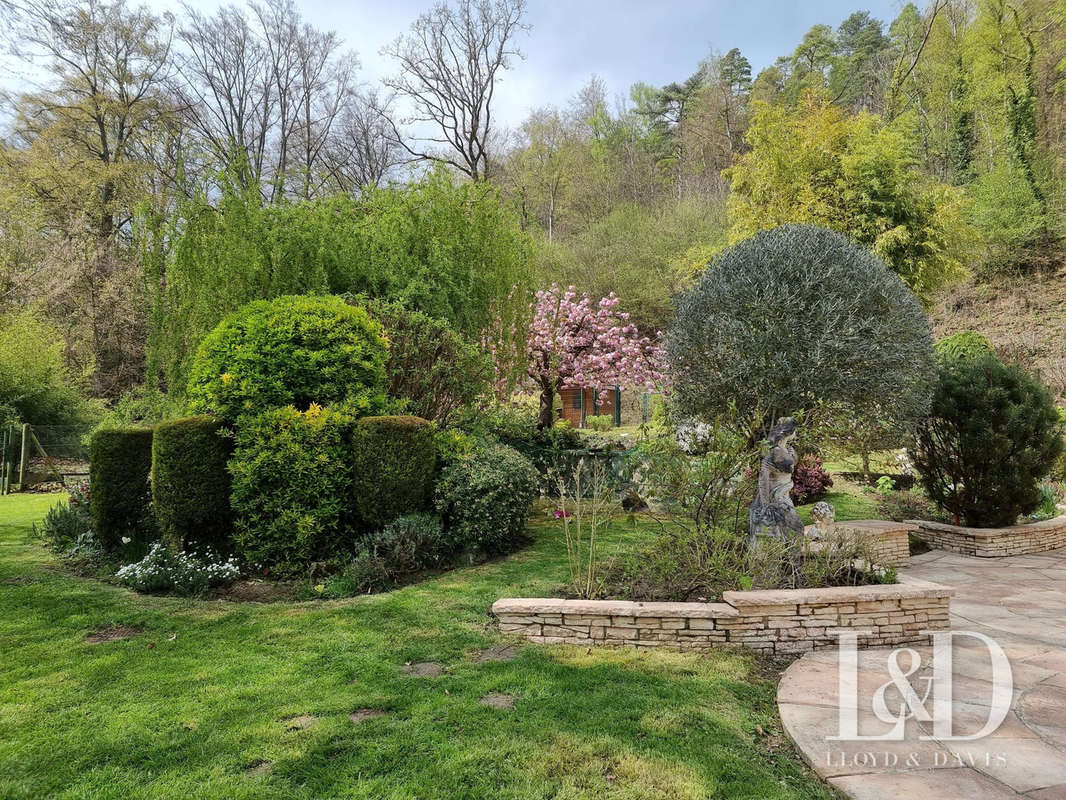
(772,514)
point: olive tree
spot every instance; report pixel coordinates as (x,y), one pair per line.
(796,319)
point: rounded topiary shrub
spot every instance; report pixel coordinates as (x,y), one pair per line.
(992,434)
(393,462)
(294,350)
(963,345)
(292,488)
(795,318)
(190,483)
(485,498)
(120,462)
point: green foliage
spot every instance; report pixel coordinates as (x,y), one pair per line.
(900,506)
(289,351)
(35,385)
(1007,214)
(393,461)
(688,564)
(600,422)
(515,425)
(654,251)
(190,483)
(411,543)
(448,249)
(431,366)
(993,433)
(817,166)
(793,319)
(292,488)
(964,345)
(485,498)
(66,522)
(120,462)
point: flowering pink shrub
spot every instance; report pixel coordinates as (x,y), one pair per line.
(574,342)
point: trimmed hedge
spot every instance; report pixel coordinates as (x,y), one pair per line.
(190,482)
(485,498)
(393,463)
(292,488)
(120,462)
(293,350)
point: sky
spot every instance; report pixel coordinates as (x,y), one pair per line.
(621,41)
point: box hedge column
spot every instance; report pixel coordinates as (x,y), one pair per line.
(393,465)
(120,460)
(190,483)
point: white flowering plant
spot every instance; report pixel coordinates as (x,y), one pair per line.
(182,573)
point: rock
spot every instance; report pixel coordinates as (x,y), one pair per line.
(504,702)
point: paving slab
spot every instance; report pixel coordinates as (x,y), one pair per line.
(1020,603)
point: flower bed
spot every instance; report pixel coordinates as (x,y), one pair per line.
(1033,537)
(779,621)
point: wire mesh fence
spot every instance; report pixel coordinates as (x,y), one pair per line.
(35,454)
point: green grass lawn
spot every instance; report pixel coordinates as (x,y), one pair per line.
(202,702)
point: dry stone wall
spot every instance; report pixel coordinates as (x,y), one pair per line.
(772,621)
(1034,537)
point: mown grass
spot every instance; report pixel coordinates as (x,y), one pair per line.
(200,703)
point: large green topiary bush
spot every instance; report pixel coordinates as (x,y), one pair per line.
(294,350)
(120,462)
(993,433)
(795,318)
(393,462)
(292,488)
(485,498)
(190,482)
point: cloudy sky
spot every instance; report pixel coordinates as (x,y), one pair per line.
(621,41)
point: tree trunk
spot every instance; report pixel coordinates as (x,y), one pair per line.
(546,417)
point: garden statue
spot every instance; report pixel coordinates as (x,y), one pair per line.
(823,515)
(772,514)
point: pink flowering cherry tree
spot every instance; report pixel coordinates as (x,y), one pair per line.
(575,342)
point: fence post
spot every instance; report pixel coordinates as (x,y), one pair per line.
(22,457)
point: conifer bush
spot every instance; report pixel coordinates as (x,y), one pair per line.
(992,435)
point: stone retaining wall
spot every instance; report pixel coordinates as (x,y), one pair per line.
(772,621)
(1034,537)
(888,543)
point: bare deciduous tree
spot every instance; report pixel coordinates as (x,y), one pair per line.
(266,92)
(362,151)
(449,63)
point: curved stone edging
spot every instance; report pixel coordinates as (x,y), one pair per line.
(773,621)
(1015,540)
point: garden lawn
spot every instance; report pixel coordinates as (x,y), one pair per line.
(215,699)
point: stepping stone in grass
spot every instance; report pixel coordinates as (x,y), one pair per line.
(498,652)
(424,669)
(504,702)
(363,714)
(300,723)
(110,633)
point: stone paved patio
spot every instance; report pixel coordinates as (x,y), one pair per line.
(1020,602)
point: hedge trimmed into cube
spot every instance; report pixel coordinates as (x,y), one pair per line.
(190,483)
(120,462)
(292,489)
(393,462)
